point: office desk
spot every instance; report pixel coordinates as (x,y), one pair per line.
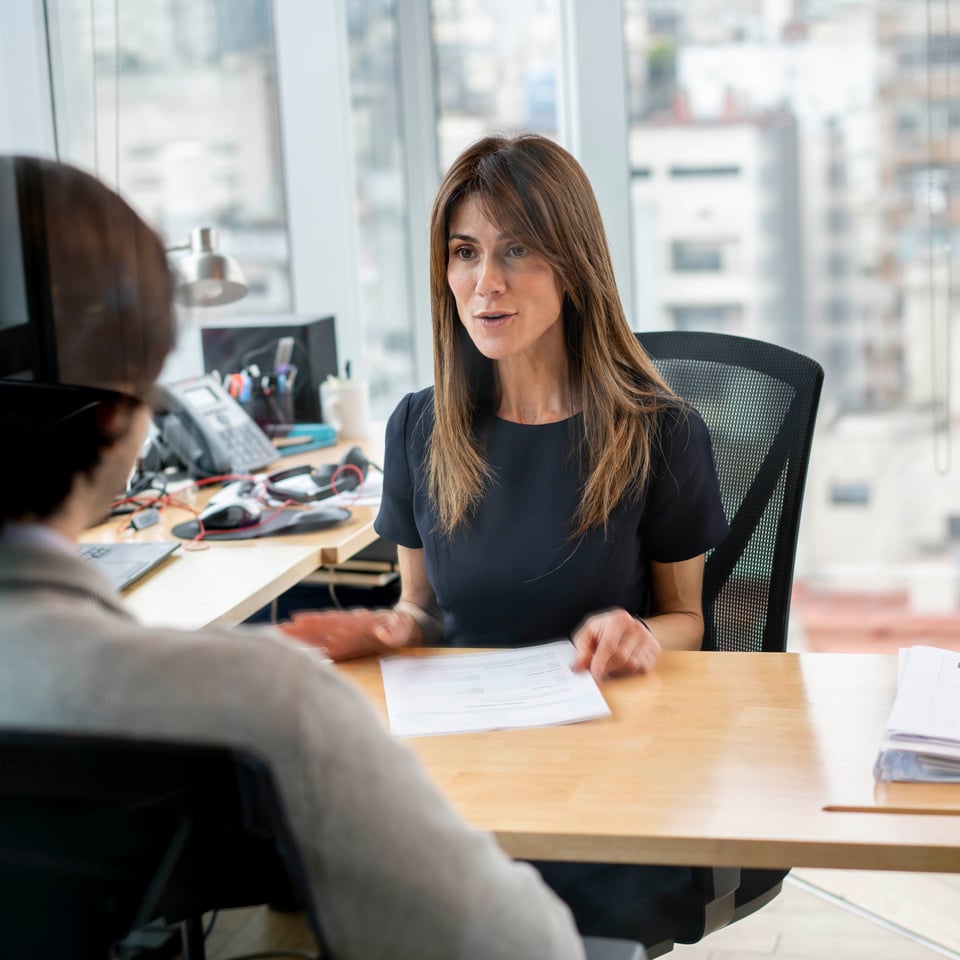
(725,759)
(229,580)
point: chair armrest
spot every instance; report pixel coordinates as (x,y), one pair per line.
(716,889)
(757,888)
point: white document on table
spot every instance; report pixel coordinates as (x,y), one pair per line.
(461,693)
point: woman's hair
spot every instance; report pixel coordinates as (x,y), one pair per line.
(107,295)
(536,192)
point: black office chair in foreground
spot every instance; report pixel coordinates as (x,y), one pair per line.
(100,835)
(759,402)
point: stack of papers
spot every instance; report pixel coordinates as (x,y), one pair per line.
(460,693)
(922,739)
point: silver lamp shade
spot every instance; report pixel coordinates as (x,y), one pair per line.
(206,277)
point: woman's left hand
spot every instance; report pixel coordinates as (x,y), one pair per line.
(614,643)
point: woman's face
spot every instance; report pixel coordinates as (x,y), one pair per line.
(508,298)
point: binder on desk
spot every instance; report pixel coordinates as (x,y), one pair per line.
(921,741)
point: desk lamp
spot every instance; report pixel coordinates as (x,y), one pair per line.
(206,277)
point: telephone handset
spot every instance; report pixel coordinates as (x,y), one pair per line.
(208,431)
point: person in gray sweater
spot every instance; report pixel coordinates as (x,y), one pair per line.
(393,869)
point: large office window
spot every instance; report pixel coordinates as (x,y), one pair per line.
(174,102)
(793,176)
(469,70)
(381,201)
(804,136)
(497,69)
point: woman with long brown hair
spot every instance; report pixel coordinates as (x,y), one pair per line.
(549,484)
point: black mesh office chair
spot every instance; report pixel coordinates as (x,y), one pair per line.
(759,402)
(100,835)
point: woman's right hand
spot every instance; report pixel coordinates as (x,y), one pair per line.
(348,634)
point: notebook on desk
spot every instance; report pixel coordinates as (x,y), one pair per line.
(125,563)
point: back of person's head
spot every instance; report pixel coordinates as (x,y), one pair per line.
(98,291)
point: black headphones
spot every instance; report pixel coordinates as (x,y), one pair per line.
(326,481)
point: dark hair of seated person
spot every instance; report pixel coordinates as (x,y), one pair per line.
(110,298)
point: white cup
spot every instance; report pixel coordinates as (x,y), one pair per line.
(345,405)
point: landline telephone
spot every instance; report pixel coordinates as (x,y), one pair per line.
(199,426)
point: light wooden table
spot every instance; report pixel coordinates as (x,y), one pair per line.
(724,759)
(229,580)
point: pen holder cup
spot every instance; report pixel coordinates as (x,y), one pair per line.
(269,407)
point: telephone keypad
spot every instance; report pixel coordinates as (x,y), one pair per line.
(248,450)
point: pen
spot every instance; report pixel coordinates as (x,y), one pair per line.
(284,352)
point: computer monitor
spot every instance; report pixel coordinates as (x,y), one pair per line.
(27,341)
(229,346)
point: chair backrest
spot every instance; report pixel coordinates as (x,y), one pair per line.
(100,835)
(759,402)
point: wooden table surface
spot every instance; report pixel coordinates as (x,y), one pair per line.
(727,759)
(227,581)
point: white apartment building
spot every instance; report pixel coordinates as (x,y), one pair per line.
(830,87)
(718,235)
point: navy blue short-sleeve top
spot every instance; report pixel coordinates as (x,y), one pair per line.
(513,576)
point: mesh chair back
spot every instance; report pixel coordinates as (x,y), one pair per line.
(759,402)
(100,835)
